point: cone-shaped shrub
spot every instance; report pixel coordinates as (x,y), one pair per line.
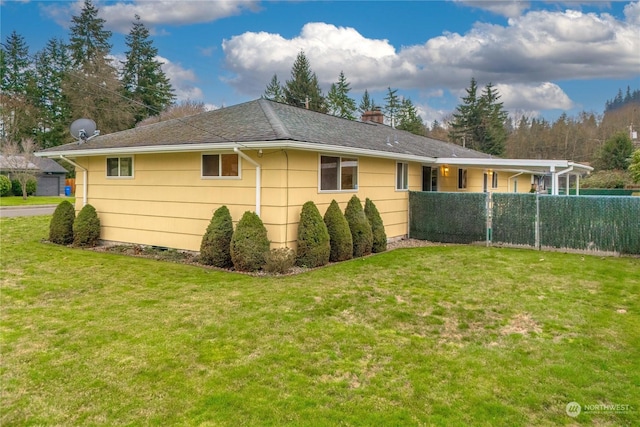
(339,233)
(215,248)
(249,243)
(61,225)
(361,233)
(377,227)
(313,238)
(86,227)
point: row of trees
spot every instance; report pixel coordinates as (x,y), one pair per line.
(44,92)
(303,90)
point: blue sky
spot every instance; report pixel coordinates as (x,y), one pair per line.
(545,58)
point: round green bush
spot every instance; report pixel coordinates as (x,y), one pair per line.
(16,187)
(249,243)
(360,228)
(5,186)
(313,238)
(61,225)
(377,227)
(280,260)
(86,227)
(215,248)
(339,234)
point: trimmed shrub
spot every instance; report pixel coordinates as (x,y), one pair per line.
(86,227)
(280,260)
(215,248)
(5,186)
(313,238)
(377,227)
(61,225)
(249,243)
(16,188)
(339,234)
(361,233)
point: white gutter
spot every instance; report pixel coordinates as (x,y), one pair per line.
(85,184)
(265,145)
(509,180)
(258,175)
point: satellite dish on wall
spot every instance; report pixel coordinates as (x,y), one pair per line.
(83,130)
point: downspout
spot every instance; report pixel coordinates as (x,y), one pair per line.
(85,184)
(258,174)
(509,180)
(569,169)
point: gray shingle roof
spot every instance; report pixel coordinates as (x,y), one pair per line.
(36,165)
(271,122)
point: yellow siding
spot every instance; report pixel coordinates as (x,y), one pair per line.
(168,203)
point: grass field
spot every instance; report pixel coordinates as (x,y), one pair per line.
(445,335)
(33,200)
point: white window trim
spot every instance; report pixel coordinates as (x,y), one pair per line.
(405,176)
(133,167)
(350,190)
(203,176)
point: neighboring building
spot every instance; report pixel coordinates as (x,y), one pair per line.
(50,176)
(160,184)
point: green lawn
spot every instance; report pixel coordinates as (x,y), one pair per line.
(33,200)
(449,335)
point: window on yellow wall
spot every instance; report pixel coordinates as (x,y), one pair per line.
(118,167)
(220,165)
(338,173)
(494,180)
(462,178)
(402,176)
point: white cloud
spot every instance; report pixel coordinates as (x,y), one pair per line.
(182,80)
(508,8)
(524,56)
(119,15)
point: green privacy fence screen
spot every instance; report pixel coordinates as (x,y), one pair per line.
(587,223)
(591,223)
(448,217)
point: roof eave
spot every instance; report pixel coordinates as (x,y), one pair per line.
(528,165)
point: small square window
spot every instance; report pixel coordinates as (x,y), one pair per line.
(118,167)
(220,165)
(338,173)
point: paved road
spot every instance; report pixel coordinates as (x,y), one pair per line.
(9,212)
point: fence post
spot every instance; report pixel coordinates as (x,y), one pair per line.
(537,222)
(489,222)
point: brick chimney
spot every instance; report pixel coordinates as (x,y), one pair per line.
(375,116)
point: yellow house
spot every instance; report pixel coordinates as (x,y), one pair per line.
(160,184)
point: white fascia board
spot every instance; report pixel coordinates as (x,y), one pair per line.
(529,165)
(255,145)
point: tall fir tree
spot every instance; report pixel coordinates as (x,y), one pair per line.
(142,77)
(274,91)
(392,106)
(51,64)
(17,85)
(408,118)
(339,102)
(93,87)
(303,90)
(479,122)
(367,103)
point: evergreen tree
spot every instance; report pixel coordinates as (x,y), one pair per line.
(92,87)
(409,120)
(274,91)
(338,101)
(17,111)
(303,89)
(392,106)
(479,122)
(615,153)
(367,103)
(142,75)
(51,64)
